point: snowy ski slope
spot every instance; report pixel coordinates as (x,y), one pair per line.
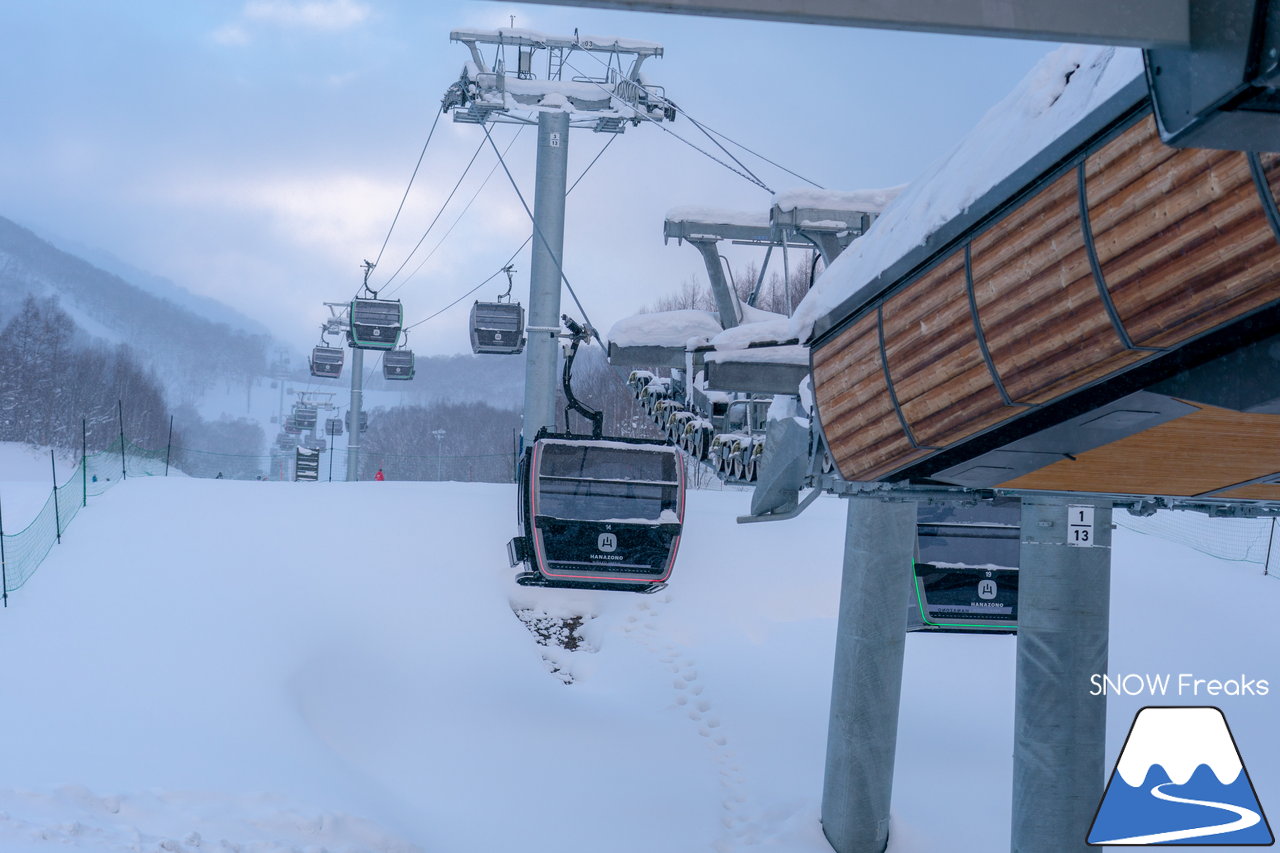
(269,667)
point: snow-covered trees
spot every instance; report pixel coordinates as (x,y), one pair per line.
(50,379)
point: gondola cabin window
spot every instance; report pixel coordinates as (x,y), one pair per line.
(607,483)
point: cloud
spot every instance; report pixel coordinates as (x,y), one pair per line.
(307,14)
(231,35)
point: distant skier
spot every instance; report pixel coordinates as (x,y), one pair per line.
(379,477)
(219,477)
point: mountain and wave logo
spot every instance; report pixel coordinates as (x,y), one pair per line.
(1180,780)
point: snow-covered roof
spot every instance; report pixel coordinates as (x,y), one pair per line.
(664,328)
(862,201)
(1063,88)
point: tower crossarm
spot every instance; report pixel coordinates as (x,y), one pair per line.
(506,79)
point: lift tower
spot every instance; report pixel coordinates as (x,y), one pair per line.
(604,92)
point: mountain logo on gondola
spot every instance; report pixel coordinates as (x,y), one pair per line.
(607,543)
(1180,780)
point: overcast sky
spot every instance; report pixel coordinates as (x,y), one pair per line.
(256,151)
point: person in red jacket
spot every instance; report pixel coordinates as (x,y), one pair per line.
(379,476)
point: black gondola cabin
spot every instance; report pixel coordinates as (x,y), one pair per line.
(326,362)
(599,513)
(966,569)
(497,327)
(397,364)
(375,323)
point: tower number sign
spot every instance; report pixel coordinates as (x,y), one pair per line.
(1080,525)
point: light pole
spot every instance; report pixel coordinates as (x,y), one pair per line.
(439,434)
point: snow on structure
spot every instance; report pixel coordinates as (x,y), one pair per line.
(664,328)
(770,331)
(793,354)
(517,35)
(716,216)
(1063,88)
(862,201)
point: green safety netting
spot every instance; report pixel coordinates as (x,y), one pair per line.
(24,550)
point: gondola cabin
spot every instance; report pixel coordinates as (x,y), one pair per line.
(599,513)
(304,416)
(375,323)
(397,364)
(497,327)
(326,362)
(966,569)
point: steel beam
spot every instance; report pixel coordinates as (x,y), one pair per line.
(1136,23)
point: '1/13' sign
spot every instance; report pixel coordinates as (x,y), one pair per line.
(1080,525)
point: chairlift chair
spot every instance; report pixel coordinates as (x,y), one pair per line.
(333,426)
(498,327)
(597,512)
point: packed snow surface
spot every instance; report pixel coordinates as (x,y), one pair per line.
(215,665)
(664,328)
(1063,88)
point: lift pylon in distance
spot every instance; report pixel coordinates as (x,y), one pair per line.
(597,512)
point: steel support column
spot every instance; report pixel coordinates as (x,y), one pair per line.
(540,381)
(357,404)
(1064,596)
(871,634)
(726,299)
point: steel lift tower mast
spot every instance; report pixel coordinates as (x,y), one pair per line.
(604,94)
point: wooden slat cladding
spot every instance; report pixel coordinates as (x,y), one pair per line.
(943,385)
(861,426)
(1257,492)
(1046,325)
(1205,450)
(1182,247)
